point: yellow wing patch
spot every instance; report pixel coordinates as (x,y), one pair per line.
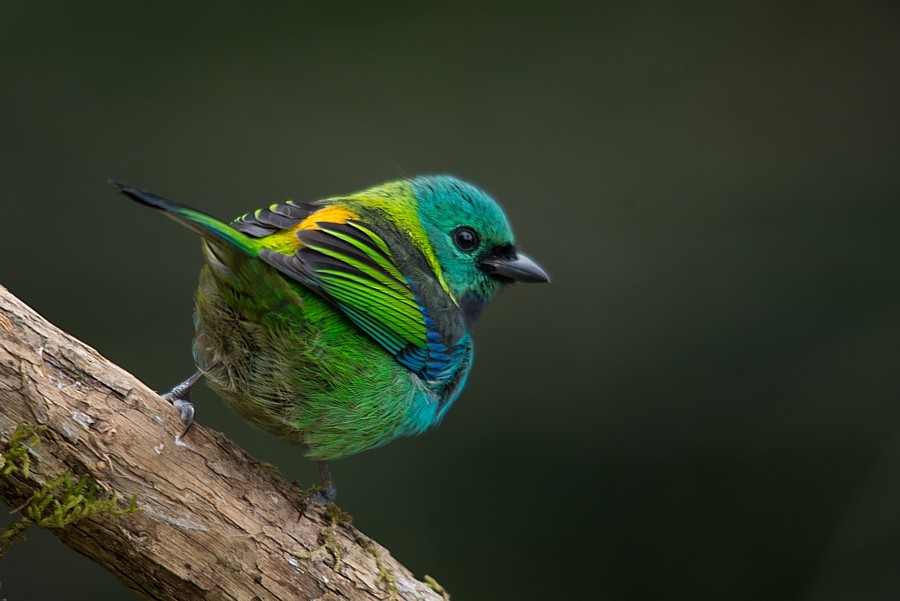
(286,241)
(329,214)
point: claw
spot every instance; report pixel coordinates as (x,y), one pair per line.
(180,398)
(187,415)
(328,493)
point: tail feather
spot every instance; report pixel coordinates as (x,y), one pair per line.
(207,226)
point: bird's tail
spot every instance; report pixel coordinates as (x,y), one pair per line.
(205,225)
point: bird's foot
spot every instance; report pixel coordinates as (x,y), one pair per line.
(180,398)
(323,494)
(317,494)
(314,496)
(187,414)
(328,490)
(326,494)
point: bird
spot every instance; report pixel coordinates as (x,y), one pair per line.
(345,323)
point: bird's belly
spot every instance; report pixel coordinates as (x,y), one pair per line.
(294,366)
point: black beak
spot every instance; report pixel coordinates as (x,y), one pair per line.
(516,267)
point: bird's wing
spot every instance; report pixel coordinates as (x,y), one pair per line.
(280,216)
(352,266)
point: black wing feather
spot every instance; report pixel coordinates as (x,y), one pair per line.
(276,217)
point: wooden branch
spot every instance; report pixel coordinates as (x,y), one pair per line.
(213,522)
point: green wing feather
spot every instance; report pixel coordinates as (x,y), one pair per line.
(352,266)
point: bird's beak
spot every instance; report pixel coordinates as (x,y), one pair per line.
(518,267)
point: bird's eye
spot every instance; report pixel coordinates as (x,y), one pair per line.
(465,239)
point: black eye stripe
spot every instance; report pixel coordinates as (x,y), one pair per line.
(465,238)
(505,251)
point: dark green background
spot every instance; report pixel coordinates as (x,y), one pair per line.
(704,404)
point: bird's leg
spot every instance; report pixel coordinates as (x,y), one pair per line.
(329,492)
(180,397)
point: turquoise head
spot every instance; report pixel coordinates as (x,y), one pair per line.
(472,241)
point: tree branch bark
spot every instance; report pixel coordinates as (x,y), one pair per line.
(213,523)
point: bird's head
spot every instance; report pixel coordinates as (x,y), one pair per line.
(472,241)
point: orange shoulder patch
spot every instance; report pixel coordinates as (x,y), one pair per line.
(329,214)
(286,241)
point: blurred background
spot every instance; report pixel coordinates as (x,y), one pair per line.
(704,404)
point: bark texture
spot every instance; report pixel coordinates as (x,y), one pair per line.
(213,522)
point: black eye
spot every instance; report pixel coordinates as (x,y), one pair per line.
(465,239)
